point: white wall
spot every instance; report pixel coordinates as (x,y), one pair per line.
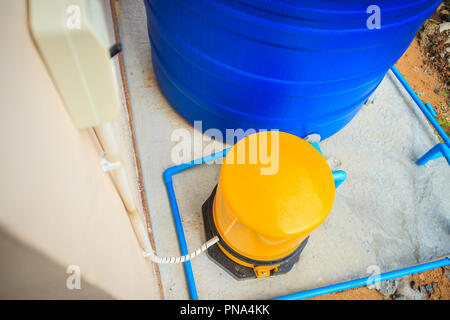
(54,198)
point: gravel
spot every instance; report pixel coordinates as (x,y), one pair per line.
(388,287)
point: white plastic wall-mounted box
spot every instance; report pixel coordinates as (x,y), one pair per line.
(72,38)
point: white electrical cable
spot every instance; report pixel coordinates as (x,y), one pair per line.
(181,259)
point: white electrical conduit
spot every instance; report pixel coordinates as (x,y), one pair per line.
(107,139)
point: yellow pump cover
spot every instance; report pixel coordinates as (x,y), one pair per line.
(272,197)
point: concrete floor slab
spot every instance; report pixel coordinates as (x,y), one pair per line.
(389,213)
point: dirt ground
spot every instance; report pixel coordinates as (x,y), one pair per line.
(437,277)
(425,65)
(426,81)
(423,78)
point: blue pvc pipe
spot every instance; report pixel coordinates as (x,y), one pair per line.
(339,177)
(437,151)
(422,107)
(364,281)
(316,145)
(168,173)
(431,109)
(182,241)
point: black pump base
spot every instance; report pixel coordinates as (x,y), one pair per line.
(237,271)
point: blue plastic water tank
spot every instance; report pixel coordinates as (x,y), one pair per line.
(299,66)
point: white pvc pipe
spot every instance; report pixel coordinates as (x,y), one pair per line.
(107,139)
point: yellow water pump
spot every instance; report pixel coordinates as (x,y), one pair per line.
(274,190)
